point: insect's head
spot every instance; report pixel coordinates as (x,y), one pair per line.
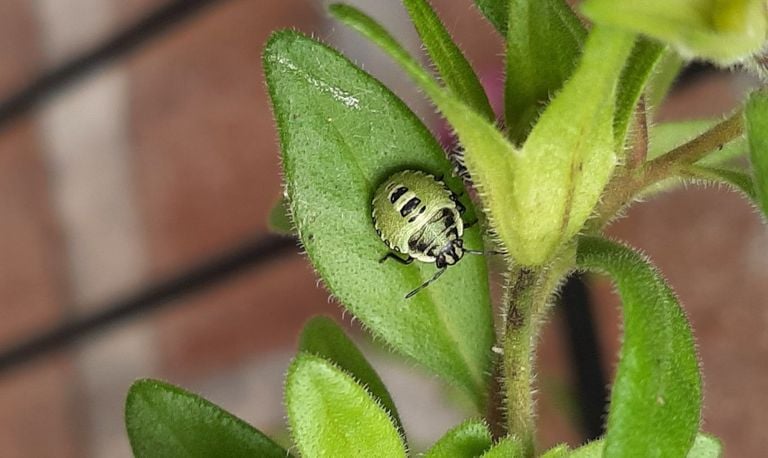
(450,254)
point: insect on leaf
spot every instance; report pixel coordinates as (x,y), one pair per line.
(333,416)
(342,134)
(165,421)
(656,396)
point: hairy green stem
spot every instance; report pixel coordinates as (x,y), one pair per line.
(527,295)
(629,182)
(694,150)
(519,353)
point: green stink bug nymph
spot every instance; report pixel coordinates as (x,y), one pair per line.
(415,214)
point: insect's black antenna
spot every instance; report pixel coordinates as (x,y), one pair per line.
(426,283)
(482,252)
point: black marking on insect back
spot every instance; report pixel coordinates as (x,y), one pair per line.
(410,206)
(412,218)
(453,233)
(460,207)
(397,193)
(448,219)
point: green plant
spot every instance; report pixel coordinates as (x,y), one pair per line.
(546,183)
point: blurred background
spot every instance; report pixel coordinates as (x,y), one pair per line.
(128,162)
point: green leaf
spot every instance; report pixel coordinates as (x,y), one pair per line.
(656,396)
(538,198)
(663,78)
(736,179)
(331,415)
(704,446)
(757,133)
(469,439)
(164,421)
(643,59)
(558,451)
(279,220)
(322,337)
(543,46)
(569,156)
(342,133)
(593,449)
(497,13)
(508,447)
(453,67)
(664,137)
(724,31)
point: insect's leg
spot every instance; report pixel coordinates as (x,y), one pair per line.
(468,225)
(459,206)
(426,283)
(483,252)
(397,258)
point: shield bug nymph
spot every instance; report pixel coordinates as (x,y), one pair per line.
(417,215)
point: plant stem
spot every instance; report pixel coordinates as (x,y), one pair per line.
(519,354)
(527,295)
(696,149)
(628,183)
(639,151)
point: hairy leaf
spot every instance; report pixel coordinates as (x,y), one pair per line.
(704,446)
(469,439)
(570,155)
(735,179)
(322,337)
(508,447)
(757,133)
(497,13)
(663,78)
(331,415)
(164,421)
(538,198)
(657,390)
(722,31)
(342,133)
(558,451)
(643,59)
(453,67)
(544,41)
(279,218)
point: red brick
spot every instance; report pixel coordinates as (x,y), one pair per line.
(38,416)
(19,53)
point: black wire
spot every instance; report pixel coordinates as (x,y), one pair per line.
(586,358)
(151,26)
(161,294)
